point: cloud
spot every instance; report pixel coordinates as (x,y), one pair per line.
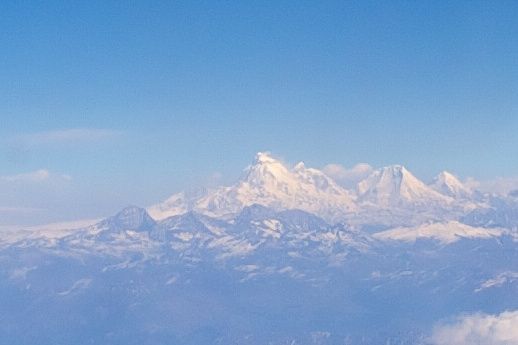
(499,185)
(9,209)
(78,286)
(507,277)
(27,197)
(37,176)
(71,135)
(348,177)
(445,233)
(481,329)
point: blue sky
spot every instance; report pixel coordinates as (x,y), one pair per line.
(127,103)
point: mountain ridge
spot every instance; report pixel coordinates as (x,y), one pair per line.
(381,262)
(267,181)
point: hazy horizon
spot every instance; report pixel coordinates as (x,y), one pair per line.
(108,104)
(259,172)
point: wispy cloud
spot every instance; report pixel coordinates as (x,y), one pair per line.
(499,185)
(8,209)
(483,329)
(36,176)
(348,177)
(25,197)
(62,136)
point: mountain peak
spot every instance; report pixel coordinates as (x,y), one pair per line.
(131,218)
(448,184)
(269,182)
(446,176)
(266,170)
(388,179)
(299,166)
(393,185)
(264,157)
(395,171)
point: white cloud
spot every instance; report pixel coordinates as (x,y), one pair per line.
(499,185)
(37,176)
(23,195)
(21,272)
(348,177)
(71,135)
(445,233)
(78,286)
(503,278)
(479,329)
(9,209)
(34,176)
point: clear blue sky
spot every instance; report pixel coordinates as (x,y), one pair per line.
(161,95)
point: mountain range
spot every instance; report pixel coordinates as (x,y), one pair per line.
(388,196)
(286,255)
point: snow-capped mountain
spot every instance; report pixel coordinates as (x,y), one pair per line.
(195,279)
(396,187)
(445,233)
(270,183)
(389,196)
(283,256)
(178,203)
(130,218)
(495,212)
(448,184)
